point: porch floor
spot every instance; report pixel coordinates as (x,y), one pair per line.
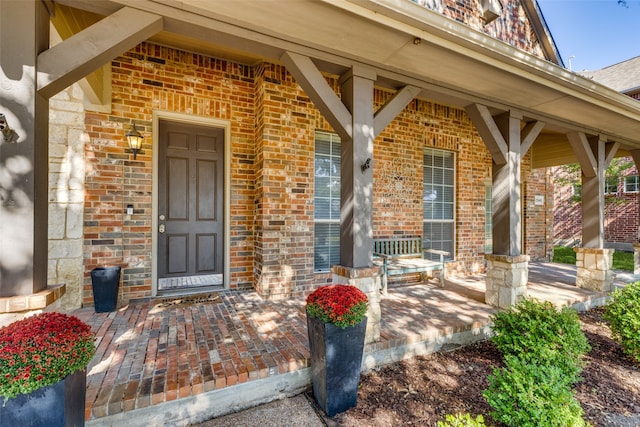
(170,364)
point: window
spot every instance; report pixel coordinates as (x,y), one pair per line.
(438,200)
(326,202)
(631,184)
(488,220)
(611,185)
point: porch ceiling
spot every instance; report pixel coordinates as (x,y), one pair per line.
(405,44)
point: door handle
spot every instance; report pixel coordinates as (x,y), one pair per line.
(161,228)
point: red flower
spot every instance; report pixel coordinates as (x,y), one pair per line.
(53,344)
(341,305)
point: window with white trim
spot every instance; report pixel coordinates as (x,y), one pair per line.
(631,184)
(438,200)
(611,185)
(488,220)
(326,201)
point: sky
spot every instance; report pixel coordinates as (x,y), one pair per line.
(593,34)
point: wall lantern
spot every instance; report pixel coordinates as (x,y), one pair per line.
(8,134)
(134,138)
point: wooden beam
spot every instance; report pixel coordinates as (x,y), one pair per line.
(584,154)
(324,98)
(393,107)
(489,131)
(85,52)
(529,134)
(636,158)
(610,151)
(97,85)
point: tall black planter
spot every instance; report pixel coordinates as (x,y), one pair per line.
(57,405)
(336,359)
(105,282)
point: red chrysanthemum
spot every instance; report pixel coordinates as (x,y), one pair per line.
(341,305)
(53,344)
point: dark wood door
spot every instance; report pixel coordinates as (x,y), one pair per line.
(190,200)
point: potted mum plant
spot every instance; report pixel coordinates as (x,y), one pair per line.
(336,325)
(43,361)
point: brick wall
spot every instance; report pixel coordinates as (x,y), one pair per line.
(146,78)
(538,215)
(512,26)
(620,212)
(273,124)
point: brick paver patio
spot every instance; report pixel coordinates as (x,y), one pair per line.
(154,352)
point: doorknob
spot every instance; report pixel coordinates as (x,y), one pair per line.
(161,228)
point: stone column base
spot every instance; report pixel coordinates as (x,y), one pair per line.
(594,269)
(506,280)
(367,279)
(636,258)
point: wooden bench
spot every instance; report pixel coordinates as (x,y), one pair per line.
(405,256)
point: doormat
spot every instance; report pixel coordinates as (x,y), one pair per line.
(166,303)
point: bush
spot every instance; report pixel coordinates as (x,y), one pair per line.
(462,420)
(528,394)
(543,349)
(623,315)
(537,331)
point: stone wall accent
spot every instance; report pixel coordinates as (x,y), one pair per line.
(368,280)
(67,139)
(594,269)
(506,280)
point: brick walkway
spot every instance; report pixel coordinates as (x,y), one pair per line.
(149,353)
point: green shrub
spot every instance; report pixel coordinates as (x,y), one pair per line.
(623,315)
(528,394)
(543,348)
(537,331)
(462,420)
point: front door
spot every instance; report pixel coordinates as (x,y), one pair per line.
(190,206)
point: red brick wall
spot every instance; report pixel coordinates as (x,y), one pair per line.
(512,26)
(272,141)
(620,213)
(538,218)
(153,77)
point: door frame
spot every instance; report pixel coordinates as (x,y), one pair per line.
(202,121)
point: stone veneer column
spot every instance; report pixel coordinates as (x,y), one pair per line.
(367,279)
(594,269)
(506,280)
(67,139)
(636,258)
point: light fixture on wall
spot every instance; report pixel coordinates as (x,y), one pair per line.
(134,138)
(8,134)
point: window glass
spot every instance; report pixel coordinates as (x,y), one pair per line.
(631,184)
(326,201)
(438,198)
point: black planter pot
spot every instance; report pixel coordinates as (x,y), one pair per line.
(57,405)
(105,282)
(336,360)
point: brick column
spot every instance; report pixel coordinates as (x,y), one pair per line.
(506,280)
(366,279)
(594,269)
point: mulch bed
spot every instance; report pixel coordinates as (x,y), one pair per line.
(422,390)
